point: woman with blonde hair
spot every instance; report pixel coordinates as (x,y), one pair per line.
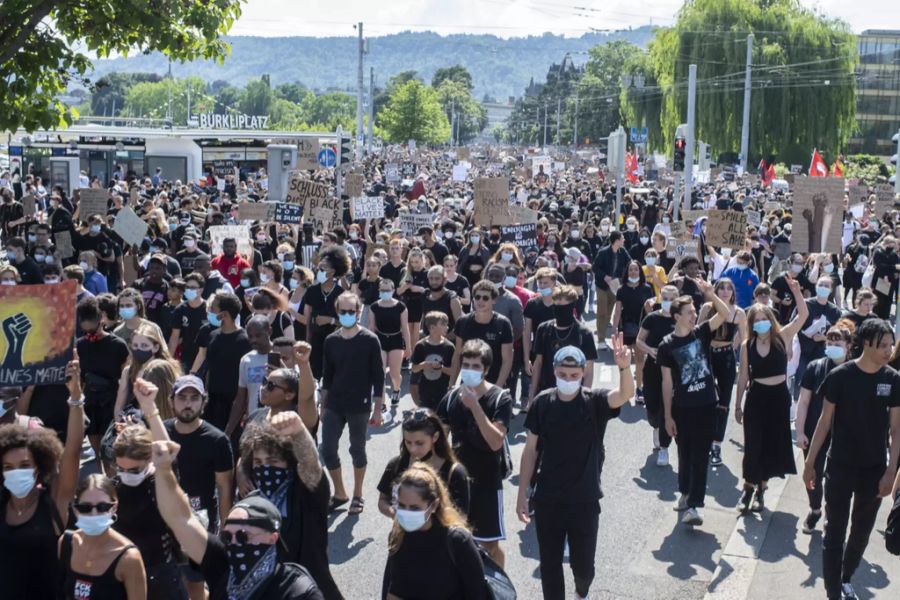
(146,344)
(431,553)
(507,254)
(162,373)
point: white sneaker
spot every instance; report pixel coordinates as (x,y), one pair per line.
(655,439)
(662,459)
(682,503)
(601,345)
(692,517)
(847,592)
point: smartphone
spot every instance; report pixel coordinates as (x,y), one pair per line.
(275,360)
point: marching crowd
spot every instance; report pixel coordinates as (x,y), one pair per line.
(214,386)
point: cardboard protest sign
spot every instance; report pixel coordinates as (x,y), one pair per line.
(371,207)
(256,211)
(240,233)
(63,240)
(460,172)
(92,201)
(523,236)
(769,206)
(38,333)
(392,173)
(678,231)
(300,190)
(884,196)
(541,168)
(726,229)
(325,213)
(691,215)
(29,205)
(411,222)
(492,201)
(462,153)
(308,154)
(521,215)
(353,185)
(130,227)
(818,214)
(288,214)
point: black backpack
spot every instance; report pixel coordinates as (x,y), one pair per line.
(892,531)
(499,585)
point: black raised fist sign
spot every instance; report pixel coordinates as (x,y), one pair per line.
(16,329)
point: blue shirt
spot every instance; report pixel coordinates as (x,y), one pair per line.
(95,282)
(745,281)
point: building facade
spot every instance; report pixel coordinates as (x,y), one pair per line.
(877,92)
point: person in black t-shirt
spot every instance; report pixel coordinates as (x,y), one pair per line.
(242,560)
(478,413)
(153,288)
(432,362)
(861,406)
(689,395)
(227,345)
(864,303)
(186,321)
(568,421)
(494,329)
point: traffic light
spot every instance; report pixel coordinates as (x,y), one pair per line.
(345,151)
(680,148)
(895,160)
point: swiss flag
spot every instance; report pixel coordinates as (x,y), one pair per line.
(838,169)
(817,167)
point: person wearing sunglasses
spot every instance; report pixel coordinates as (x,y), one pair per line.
(485,324)
(242,562)
(98,561)
(425,440)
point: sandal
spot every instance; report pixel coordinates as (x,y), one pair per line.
(356,506)
(336,503)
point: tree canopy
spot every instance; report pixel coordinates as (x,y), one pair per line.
(414,112)
(44,44)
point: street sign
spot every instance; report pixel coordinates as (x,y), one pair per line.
(326,157)
(638,135)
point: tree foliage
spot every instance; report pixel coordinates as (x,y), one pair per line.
(151,99)
(44,44)
(456,73)
(414,112)
(454,90)
(803,90)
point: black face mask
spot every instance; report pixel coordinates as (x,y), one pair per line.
(564,314)
(268,479)
(244,559)
(141,356)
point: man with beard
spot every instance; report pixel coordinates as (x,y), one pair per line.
(241,562)
(230,264)
(206,466)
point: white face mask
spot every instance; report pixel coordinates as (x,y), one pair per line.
(411,520)
(133,479)
(644,240)
(568,387)
(19,482)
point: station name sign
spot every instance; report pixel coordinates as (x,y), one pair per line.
(232,121)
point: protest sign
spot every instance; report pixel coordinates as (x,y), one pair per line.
(754,218)
(29,206)
(462,153)
(692,215)
(371,207)
(858,193)
(857,210)
(818,214)
(135,196)
(325,213)
(408,170)
(130,227)
(726,229)
(884,196)
(391,173)
(38,333)
(288,214)
(541,167)
(679,249)
(353,185)
(255,211)
(460,172)
(92,201)
(223,167)
(770,206)
(492,201)
(523,236)
(308,154)
(411,144)
(240,233)
(521,215)
(678,231)
(63,240)
(411,222)
(300,190)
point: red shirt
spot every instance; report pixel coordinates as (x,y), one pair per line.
(230,268)
(522,294)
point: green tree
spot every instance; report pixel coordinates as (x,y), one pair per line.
(457,73)
(44,45)
(456,99)
(151,99)
(295,92)
(599,107)
(228,98)
(414,112)
(257,97)
(383,95)
(108,97)
(330,110)
(803,90)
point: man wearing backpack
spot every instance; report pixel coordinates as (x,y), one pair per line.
(569,422)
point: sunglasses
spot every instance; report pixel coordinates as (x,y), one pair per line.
(347,312)
(483,298)
(418,415)
(271,385)
(240,536)
(86,507)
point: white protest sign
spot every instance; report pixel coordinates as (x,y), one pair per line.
(91,202)
(411,222)
(130,227)
(240,233)
(371,207)
(754,218)
(460,172)
(392,173)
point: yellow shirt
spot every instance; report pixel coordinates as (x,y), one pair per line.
(660,274)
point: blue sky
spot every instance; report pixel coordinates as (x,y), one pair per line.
(505,18)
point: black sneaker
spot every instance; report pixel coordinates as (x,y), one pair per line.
(809,523)
(759,501)
(639,396)
(847,592)
(746,499)
(715,456)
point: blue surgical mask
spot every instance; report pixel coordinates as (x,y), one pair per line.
(823,291)
(191,294)
(93,525)
(127,312)
(293,283)
(471,377)
(385,295)
(510,281)
(347,321)
(213,319)
(288,265)
(264,278)
(835,353)
(568,387)
(546,291)
(245,283)
(95,229)
(762,327)
(19,482)
(411,520)
(633,279)
(475,239)
(506,256)
(651,261)
(11,255)
(321,276)
(829,268)
(666,305)
(173,226)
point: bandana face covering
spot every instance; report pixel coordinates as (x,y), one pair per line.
(273,482)
(251,565)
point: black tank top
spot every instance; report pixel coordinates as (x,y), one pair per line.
(725,332)
(91,587)
(442,304)
(772,364)
(387,318)
(28,563)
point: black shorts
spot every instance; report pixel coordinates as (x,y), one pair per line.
(486,514)
(390,342)
(100,415)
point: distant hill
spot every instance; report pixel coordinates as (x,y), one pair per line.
(499,67)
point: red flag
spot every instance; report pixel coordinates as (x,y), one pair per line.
(768,175)
(631,167)
(838,169)
(817,167)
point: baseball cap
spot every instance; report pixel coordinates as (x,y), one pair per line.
(158,258)
(260,513)
(189,381)
(569,356)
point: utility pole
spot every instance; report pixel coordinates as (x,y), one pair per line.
(745,127)
(338,171)
(169,102)
(359,91)
(558,106)
(545,125)
(371,108)
(689,150)
(537,135)
(453,123)
(575,133)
